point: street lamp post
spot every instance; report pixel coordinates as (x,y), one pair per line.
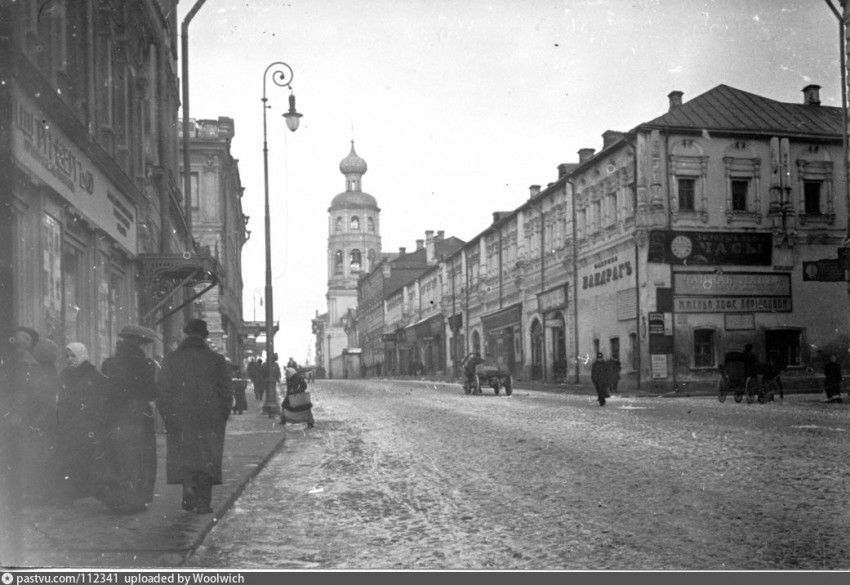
(281,75)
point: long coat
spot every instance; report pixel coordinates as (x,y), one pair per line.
(131,444)
(81,433)
(194,397)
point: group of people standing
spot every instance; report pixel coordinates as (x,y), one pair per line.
(82,432)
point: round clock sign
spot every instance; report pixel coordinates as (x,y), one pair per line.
(681,247)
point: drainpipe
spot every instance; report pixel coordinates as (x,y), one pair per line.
(543,283)
(575,277)
(637,265)
(187,159)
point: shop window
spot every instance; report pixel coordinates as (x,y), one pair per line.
(687,193)
(72,283)
(740,190)
(812,196)
(51,234)
(784,343)
(703,348)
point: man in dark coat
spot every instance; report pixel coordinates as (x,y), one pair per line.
(131,437)
(832,380)
(600,375)
(194,397)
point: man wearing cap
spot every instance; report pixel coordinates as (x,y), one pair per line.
(601,378)
(129,473)
(194,395)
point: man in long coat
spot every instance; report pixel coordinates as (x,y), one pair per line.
(194,397)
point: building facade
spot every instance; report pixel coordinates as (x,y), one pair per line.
(219,226)
(88,169)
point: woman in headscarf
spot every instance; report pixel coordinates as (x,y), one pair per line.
(81,430)
(131,442)
(292,413)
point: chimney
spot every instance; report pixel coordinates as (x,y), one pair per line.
(585,154)
(440,235)
(562,169)
(675,98)
(609,137)
(420,244)
(429,235)
(533,191)
(430,241)
(811,95)
(401,251)
(386,269)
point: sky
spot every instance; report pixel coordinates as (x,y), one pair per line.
(458,106)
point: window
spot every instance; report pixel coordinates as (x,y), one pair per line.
(613,211)
(338,262)
(370,223)
(703,348)
(785,345)
(338,227)
(740,190)
(355,224)
(687,190)
(615,348)
(355,260)
(597,215)
(811,195)
(193,178)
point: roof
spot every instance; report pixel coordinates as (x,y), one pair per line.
(725,108)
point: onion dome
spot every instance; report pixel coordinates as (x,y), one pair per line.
(352,164)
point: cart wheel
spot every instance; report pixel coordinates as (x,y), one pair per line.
(509,386)
(476,388)
(739,394)
(721,390)
(752,389)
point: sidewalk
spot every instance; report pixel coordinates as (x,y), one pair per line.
(88,535)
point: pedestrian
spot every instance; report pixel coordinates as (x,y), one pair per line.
(128,484)
(832,379)
(40,443)
(292,363)
(240,402)
(296,407)
(16,371)
(81,426)
(601,378)
(259,379)
(194,396)
(468,364)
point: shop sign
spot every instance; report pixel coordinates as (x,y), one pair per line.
(505,318)
(550,300)
(659,366)
(739,321)
(606,271)
(46,151)
(717,248)
(732,283)
(726,304)
(656,323)
(826,270)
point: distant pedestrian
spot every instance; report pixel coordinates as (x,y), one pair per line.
(600,375)
(259,379)
(240,402)
(832,380)
(131,440)
(296,407)
(194,397)
(81,431)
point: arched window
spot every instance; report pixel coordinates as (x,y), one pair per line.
(355,223)
(339,224)
(338,262)
(355,260)
(370,224)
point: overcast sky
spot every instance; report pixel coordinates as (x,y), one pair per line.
(458,106)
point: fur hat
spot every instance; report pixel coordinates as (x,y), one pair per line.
(138,333)
(196,327)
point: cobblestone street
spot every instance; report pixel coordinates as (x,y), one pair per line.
(414,475)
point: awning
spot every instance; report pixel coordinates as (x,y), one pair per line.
(163,275)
